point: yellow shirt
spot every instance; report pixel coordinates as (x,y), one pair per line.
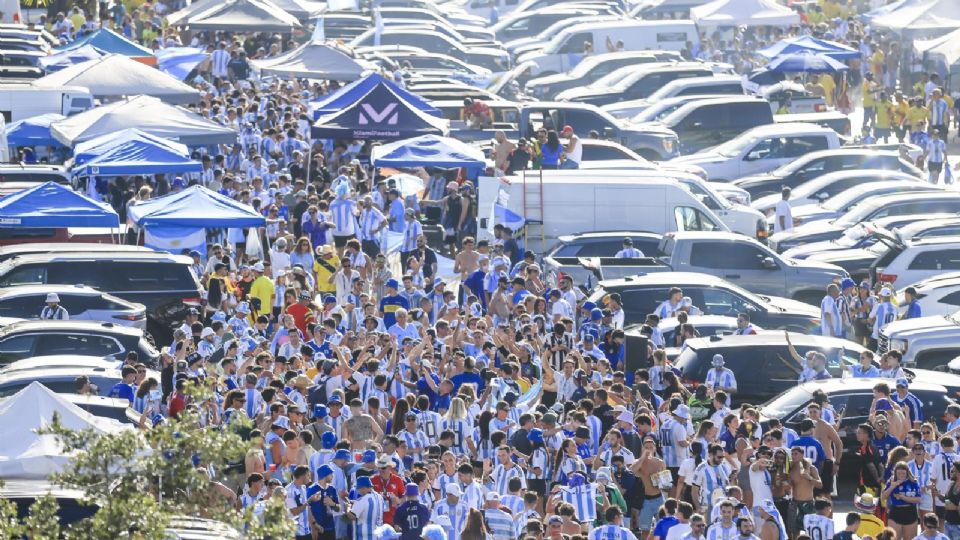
(829,87)
(900,110)
(831,9)
(876,62)
(78,20)
(869,525)
(884,114)
(916,115)
(815,18)
(263,288)
(868,99)
(324,274)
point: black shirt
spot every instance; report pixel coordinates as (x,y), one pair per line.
(953,516)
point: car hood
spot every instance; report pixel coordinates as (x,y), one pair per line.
(807,250)
(825,266)
(811,212)
(582,91)
(840,256)
(649,128)
(753,179)
(805,230)
(767,202)
(701,158)
(793,307)
(549,80)
(913,328)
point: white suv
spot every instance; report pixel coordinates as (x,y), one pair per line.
(925,342)
(918,260)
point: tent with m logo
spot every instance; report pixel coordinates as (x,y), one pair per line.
(381,114)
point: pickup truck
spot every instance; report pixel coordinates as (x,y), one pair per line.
(733,257)
(655,143)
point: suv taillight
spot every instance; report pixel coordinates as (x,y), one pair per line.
(195,301)
(886,278)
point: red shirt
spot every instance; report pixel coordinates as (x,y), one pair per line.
(301,316)
(395,486)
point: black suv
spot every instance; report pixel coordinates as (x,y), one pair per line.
(163,283)
(605,244)
(27,339)
(641,295)
(819,163)
(765,357)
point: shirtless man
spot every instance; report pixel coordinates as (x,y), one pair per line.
(832,446)
(804,481)
(896,416)
(468,260)
(644,468)
(360,429)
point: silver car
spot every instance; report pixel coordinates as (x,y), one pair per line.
(81,302)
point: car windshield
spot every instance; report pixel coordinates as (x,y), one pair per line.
(583,68)
(786,403)
(610,79)
(736,146)
(844,199)
(954,317)
(793,166)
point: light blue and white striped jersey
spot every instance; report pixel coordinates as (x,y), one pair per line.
(818,527)
(370,219)
(219,59)
(416,443)
(500,524)
(461,430)
(318,459)
(611,532)
(596,428)
(942,464)
(629,253)
(410,234)
(606,456)
(336,423)
(501,478)
(672,433)
(583,498)
(369,511)
(568,466)
(539,459)
(710,477)
(936,151)
(718,532)
(834,326)
(485,448)
(429,422)
(922,473)
(938,112)
(515,504)
(343,216)
(473,494)
(254,404)
(441,482)
(721,378)
(457,514)
(297,496)
(885,313)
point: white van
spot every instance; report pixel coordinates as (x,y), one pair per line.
(564,51)
(576,202)
(19,101)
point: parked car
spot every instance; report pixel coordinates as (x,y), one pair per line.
(862,235)
(847,200)
(15,250)
(873,208)
(762,363)
(604,244)
(639,84)
(81,302)
(706,325)
(163,283)
(61,381)
(28,339)
(938,295)
(851,398)
(709,122)
(761,149)
(925,342)
(587,71)
(59,361)
(685,86)
(822,188)
(642,295)
(909,261)
(815,164)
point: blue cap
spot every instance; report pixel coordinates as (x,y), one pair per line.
(588,338)
(847,283)
(904,382)
(324,471)
(364,482)
(392,284)
(194,253)
(369,456)
(433,532)
(588,306)
(412,490)
(343,453)
(535,435)
(884,405)
(329,299)
(320,411)
(596,314)
(328,440)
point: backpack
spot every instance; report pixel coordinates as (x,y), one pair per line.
(318,394)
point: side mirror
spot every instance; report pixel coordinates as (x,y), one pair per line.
(752,156)
(609,133)
(768,263)
(822,196)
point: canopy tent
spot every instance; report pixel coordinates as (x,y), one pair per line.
(195,206)
(243,16)
(743,13)
(379,114)
(179,17)
(315,60)
(352,92)
(303,10)
(888,8)
(178,62)
(805,62)
(114,76)
(834,50)
(93,148)
(58,61)
(33,131)
(139,156)
(54,205)
(428,151)
(148,114)
(26,454)
(932,17)
(108,41)
(944,49)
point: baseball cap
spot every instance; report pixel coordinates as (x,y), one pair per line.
(454,489)
(492,496)
(342,454)
(369,456)
(902,381)
(847,283)
(364,482)
(412,490)
(392,284)
(324,471)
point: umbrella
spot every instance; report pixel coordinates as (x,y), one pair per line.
(805,62)
(837,51)
(407,184)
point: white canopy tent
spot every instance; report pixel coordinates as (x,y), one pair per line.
(743,13)
(301,9)
(179,17)
(243,16)
(931,18)
(148,114)
(26,454)
(945,48)
(115,76)
(315,60)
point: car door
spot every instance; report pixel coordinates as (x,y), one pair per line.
(700,128)
(718,301)
(80,344)
(17,347)
(742,263)
(778,372)
(27,306)
(926,264)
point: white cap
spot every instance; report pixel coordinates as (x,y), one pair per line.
(682,411)
(886,291)
(625,416)
(206,332)
(258,267)
(492,496)
(454,489)
(53,298)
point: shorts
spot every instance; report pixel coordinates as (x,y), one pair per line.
(803,509)
(926,502)
(881,132)
(935,167)
(535,485)
(341,240)
(827,477)
(649,512)
(903,515)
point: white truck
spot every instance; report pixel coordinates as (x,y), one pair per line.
(19,101)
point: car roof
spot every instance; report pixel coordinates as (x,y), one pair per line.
(861,384)
(704,235)
(704,81)
(49,247)
(881,174)
(787,128)
(882,200)
(70,326)
(40,374)
(87,255)
(24,290)
(665,279)
(769,339)
(934,241)
(59,361)
(851,151)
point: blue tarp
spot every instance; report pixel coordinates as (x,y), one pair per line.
(195,206)
(353,92)
(379,114)
(108,41)
(98,146)
(836,51)
(56,62)
(33,131)
(139,157)
(428,151)
(179,61)
(54,205)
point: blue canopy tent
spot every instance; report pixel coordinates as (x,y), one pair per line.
(177,221)
(351,93)
(380,114)
(805,62)
(428,151)
(139,157)
(52,205)
(33,131)
(108,41)
(98,146)
(837,51)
